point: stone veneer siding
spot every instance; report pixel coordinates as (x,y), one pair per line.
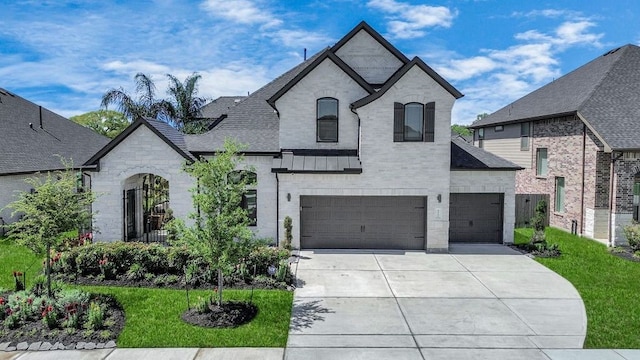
(563,139)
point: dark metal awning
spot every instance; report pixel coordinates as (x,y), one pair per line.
(290,163)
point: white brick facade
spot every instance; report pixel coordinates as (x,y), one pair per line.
(142,152)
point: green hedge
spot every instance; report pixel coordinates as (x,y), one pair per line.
(111,261)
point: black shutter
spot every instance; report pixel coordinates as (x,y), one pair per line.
(398,122)
(429,121)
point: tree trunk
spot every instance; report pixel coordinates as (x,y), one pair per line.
(48,271)
(220,285)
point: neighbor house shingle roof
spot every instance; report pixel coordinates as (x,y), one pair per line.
(605,93)
(26,149)
(465,156)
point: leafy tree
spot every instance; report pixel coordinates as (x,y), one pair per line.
(461,129)
(220,224)
(481,116)
(185,104)
(55,206)
(145,105)
(105,122)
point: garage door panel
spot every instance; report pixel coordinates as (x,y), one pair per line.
(476,218)
(382,222)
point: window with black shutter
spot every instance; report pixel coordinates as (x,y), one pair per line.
(414,122)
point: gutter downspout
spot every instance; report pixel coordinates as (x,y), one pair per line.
(584,146)
(277,211)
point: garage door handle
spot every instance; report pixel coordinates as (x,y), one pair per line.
(470,222)
(362,228)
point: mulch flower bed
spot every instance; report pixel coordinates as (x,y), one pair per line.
(36,330)
(624,252)
(229,314)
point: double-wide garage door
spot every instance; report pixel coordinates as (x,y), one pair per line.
(362,222)
(475,218)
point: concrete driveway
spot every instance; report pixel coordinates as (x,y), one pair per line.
(477,302)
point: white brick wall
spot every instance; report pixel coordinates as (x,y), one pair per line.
(297,109)
(392,169)
(369,58)
(480,181)
(140,153)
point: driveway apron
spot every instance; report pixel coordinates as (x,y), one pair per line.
(478,301)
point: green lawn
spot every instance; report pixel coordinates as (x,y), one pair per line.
(153,315)
(608,285)
(153,319)
(17,258)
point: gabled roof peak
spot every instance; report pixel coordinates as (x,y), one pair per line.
(366,27)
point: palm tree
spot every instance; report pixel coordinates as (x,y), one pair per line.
(185,104)
(146,105)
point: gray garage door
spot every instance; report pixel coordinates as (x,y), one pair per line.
(475,218)
(362,222)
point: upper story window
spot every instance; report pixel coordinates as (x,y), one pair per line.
(327,120)
(525,130)
(414,122)
(481,138)
(541,162)
(499,128)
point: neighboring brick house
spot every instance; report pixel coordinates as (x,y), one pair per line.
(570,136)
(353,144)
(32,140)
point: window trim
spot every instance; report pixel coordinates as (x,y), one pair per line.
(539,162)
(336,120)
(560,194)
(498,128)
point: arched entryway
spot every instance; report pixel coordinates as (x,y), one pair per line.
(146,208)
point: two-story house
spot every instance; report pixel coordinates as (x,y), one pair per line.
(353,144)
(577,139)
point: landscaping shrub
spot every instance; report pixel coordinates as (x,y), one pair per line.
(162,265)
(632,233)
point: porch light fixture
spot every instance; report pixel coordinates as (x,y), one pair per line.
(439,198)
(288,196)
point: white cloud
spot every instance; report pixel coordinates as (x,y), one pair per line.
(500,76)
(548,13)
(300,38)
(410,21)
(241,11)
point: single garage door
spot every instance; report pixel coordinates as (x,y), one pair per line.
(475,218)
(362,222)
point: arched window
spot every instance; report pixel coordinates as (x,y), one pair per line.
(413,122)
(327,120)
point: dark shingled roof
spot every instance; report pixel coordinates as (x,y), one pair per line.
(416,61)
(220,106)
(465,156)
(25,149)
(166,132)
(604,92)
(252,121)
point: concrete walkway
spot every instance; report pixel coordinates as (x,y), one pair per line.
(478,302)
(475,302)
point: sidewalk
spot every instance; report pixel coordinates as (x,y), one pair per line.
(279,354)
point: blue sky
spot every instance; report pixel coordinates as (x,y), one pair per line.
(65,54)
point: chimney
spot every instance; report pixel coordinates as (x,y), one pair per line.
(305,54)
